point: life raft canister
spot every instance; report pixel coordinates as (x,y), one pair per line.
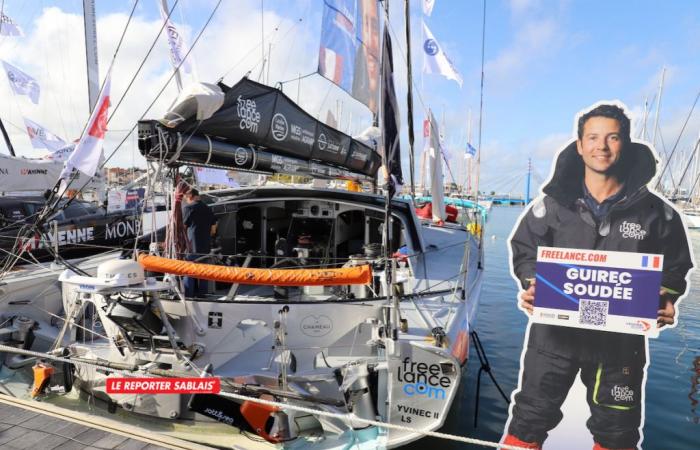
(261,418)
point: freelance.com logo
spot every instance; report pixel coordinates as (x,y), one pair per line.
(421,379)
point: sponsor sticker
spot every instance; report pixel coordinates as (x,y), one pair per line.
(210,385)
(423,380)
(316,326)
(280,128)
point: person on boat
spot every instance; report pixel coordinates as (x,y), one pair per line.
(201,226)
(598,193)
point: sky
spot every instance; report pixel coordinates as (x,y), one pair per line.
(545,61)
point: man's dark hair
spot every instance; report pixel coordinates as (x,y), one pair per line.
(611,112)
(193,192)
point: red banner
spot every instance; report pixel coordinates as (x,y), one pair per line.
(209,385)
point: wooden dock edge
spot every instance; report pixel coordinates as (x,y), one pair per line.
(104,424)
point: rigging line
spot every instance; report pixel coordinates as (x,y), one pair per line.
(70,322)
(294,41)
(663,145)
(675,187)
(675,146)
(143,61)
(299,78)
(26,260)
(54,94)
(165,85)
(249,52)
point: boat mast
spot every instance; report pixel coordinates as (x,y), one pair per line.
(658,106)
(481,109)
(409,96)
(645,117)
(93,72)
(388,260)
(468,157)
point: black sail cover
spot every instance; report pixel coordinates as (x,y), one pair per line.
(258,116)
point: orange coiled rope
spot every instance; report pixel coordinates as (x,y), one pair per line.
(265,277)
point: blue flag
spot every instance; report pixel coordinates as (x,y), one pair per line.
(471,151)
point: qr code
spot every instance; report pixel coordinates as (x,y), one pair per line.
(593,312)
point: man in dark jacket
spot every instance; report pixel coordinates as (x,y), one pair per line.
(597,199)
(201,225)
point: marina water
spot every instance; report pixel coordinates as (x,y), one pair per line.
(673,380)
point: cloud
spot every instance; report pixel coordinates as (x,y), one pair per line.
(521,6)
(534,41)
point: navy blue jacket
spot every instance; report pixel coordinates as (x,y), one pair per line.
(561,218)
(198,219)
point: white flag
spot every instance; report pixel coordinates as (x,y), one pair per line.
(43,138)
(428,7)
(432,146)
(86,156)
(62,154)
(21,83)
(178,48)
(435,60)
(8,27)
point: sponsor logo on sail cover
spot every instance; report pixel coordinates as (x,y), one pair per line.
(280,128)
(248,113)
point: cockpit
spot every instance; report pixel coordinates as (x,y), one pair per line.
(303,233)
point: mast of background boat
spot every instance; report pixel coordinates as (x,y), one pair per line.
(409,97)
(7,138)
(93,72)
(645,117)
(658,106)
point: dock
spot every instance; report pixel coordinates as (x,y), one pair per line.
(35,425)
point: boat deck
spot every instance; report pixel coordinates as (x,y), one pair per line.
(34,425)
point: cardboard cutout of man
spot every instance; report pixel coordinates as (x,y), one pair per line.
(599,186)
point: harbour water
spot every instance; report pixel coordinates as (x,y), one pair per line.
(673,382)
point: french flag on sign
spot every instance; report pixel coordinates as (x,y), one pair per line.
(654,261)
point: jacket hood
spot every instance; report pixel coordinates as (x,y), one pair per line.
(637,166)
